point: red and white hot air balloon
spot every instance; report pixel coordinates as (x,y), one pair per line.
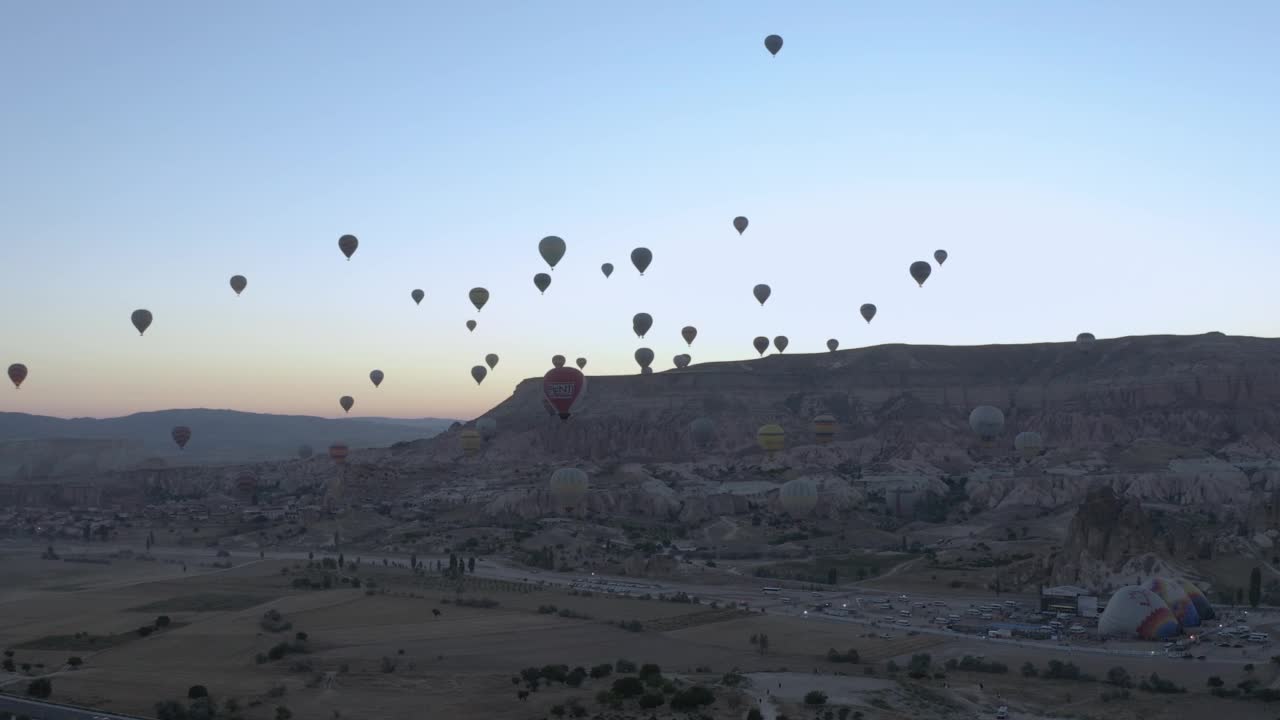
(562,387)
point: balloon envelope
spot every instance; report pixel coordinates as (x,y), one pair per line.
(478,296)
(1028,443)
(581,362)
(557,360)
(181,434)
(920,271)
(773,44)
(939,256)
(238,283)
(762,292)
(987,421)
(562,387)
(607,269)
(832,344)
(868,311)
(641,323)
(376,377)
(1085,338)
(471,325)
(542,281)
(346,401)
(470,441)
(644,357)
(491,360)
(740,224)
(761,344)
(824,429)
(417,296)
(17,373)
(551,248)
(641,257)
(771,437)
(798,497)
(488,427)
(689,333)
(348,244)
(478,372)
(338,453)
(781,342)
(141,320)
(568,486)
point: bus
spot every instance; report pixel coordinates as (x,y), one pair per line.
(772,590)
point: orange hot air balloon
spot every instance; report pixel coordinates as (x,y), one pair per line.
(181,435)
(17,373)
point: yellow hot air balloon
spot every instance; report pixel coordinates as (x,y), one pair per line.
(471,441)
(824,429)
(568,487)
(771,438)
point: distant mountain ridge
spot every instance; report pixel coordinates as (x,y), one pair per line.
(217,437)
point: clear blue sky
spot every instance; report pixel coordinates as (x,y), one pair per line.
(1102,166)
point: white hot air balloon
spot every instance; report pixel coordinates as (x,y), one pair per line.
(987,421)
(798,497)
(1028,443)
(568,487)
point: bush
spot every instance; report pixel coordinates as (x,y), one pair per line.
(1114,695)
(602,670)
(1156,684)
(815,697)
(197,691)
(1214,681)
(692,698)
(650,701)
(40,688)
(1119,677)
(145,630)
(624,666)
(75,661)
(628,687)
(850,656)
(1029,669)
(754,714)
(388,665)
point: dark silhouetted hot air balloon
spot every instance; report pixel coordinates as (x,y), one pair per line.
(762,293)
(681,361)
(238,283)
(338,453)
(557,361)
(491,360)
(488,427)
(824,429)
(562,387)
(479,296)
(471,325)
(781,342)
(641,323)
(689,332)
(761,344)
(868,311)
(581,362)
(346,401)
(641,257)
(542,281)
(644,358)
(141,320)
(607,269)
(740,224)
(920,271)
(939,256)
(478,373)
(832,344)
(773,44)
(376,377)
(17,373)
(348,244)
(1085,338)
(551,248)
(417,296)
(987,421)
(181,434)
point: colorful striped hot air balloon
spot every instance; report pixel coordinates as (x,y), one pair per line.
(771,438)
(471,441)
(824,429)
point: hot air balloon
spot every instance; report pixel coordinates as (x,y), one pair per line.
(920,271)
(338,453)
(551,248)
(798,497)
(582,362)
(1085,339)
(689,332)
(781,342)
(681,361)
(644,358)
(491,360)
(488,427)
(740,224)
(346,401)
(417,296)
(646,371)
(542,281)
(471,325)
(771,438)
(305,451)
(17,373)
(568,487)
(238,283)
(478,372)
(376,377)
(557,360)
(607,269)
(641,323)
(246,485)
(562,387)
(939,256)
(478,296)
(141,320)
(868,311)
(1028,444)
(987,421)
(348,244)
(470,441)
(762,293)
(641,257)
(824,429)
(761,344)
(773,44)
(702,430)
(832,344)
(181,434)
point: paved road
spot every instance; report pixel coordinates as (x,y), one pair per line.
(41,710)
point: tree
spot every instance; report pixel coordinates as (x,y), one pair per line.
(1214,681)
(163,621)
(40,688)
(1255,586)
(283,713)
(754,714)
(75,661)
(815,697)
(1119,677)
(471,564)
(197,691)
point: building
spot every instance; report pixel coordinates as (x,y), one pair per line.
(1069,599)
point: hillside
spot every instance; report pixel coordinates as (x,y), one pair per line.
(37,446)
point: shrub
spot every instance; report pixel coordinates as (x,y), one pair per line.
(650,701)
(602,670)
(815,697)
(163,621)
(628,687)
(1119,677)
(1029,669)
(624,666)
(75,661)
(692,698)
(197,691)
(1156,684)
(40,688)
(849,656)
